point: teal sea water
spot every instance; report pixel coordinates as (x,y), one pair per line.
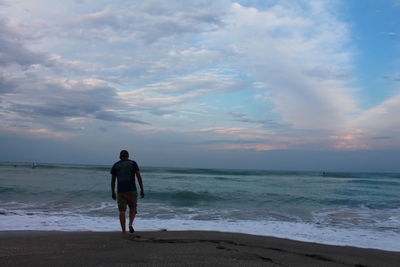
(358,209)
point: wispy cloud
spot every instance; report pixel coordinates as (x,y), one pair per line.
(178,90)
(393,77)
(146,21)
(240,117)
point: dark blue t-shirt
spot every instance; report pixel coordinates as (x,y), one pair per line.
(125,170)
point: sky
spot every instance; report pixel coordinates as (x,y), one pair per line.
(283,85)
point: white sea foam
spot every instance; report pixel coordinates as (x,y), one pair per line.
(385,240)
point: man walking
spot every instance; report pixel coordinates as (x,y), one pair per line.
(124,171)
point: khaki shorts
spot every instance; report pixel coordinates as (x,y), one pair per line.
(127,198)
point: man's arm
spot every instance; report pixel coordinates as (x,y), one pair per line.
(113,178)
(139,177)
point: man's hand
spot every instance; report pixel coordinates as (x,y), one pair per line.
(142,194)
(114,196)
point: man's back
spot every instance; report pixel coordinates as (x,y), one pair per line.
(125,170)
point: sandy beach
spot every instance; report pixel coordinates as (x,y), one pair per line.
(177,248)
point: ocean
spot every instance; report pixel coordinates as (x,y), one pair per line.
(356,209)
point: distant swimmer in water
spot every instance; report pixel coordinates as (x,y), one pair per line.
(124,172)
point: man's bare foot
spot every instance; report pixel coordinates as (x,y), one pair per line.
(131,230)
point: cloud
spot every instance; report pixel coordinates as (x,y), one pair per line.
(112,116)
(375,128)
(35,100)
(296,50)
(256,147)
(166,67)
(54,102)
(240,117)
(381,137)
(261,138)
(393,77)
(13,52)
(229,45)
(40,133)
(178,90)
(148,21)
(7,84)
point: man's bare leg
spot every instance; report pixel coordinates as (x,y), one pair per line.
(131,219)
(122,220)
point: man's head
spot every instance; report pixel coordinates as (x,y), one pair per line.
(124,154)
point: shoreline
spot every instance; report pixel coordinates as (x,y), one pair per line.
(178,248)
(312,233)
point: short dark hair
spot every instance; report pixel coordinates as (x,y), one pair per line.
(123,154)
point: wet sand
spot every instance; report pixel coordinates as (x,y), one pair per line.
(177,248)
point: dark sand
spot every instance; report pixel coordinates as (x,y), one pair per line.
(183,248)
